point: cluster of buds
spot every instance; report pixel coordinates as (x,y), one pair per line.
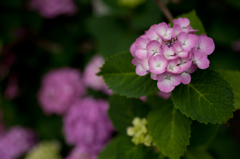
(139,132)
(171,54)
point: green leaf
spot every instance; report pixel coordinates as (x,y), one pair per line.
(233,77)
(110,150)
(195,22)
(197,154)
(123,110)
(170,130)
(111,36)
(120,76)
(122,148)
(208,98)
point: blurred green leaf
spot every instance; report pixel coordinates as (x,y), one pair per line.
(233,77)
(122,148)
(111,36)
(208,98)
(140,19)
(197,154)
(202,135)
(123,110)
(170,130)
(120,76)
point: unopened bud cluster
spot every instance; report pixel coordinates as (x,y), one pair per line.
(171,54)
(139,132)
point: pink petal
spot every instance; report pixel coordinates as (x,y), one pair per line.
(177,29)
(161,77)
(175,80)
(141,71)
(182,37)
(157,64)
(161,28)
(141,43)
(165,86)
(152,35)
(203,63)
(185,66)
(186,78)
(153,47)
(142,54)
(184,22)
(197,55)
(192,68)
(144,64)
(153,76)
(190,42)
(173,68)
(206,45)
(136,61)
(133,49)
(168,53)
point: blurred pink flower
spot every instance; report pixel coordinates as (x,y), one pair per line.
(53,8)
(60,89)
(87,125)
(91,79)
(81,153)
(15,142)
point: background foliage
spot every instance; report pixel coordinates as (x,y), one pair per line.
(39,45)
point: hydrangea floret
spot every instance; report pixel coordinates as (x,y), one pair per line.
(171,54)
(139,132)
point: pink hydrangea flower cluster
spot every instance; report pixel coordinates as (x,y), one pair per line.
(60,89)
(171,54)
(53,8)
(91,79)
(15,142)
(87,126)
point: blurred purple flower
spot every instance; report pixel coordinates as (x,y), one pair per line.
(53,8)
(87,125)
(15,142)
(12,89)
(81,153)
(91,79)
(60,89)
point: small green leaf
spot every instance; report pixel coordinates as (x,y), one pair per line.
(122,148)
(120,76)
(197,154)
(208,98)
(233,77)
(195,22)
(170,130)
(123,110)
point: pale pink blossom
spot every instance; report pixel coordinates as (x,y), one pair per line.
(170,55)
(91,79)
